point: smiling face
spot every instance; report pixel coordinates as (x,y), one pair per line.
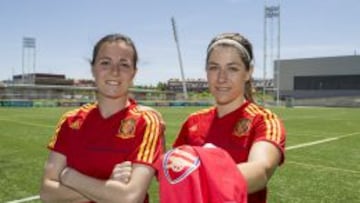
(114,69)
(227,75)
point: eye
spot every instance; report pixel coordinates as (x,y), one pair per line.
(234,69)
(212,68)
(125,65)
(104,62)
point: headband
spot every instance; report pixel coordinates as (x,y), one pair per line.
(231,42)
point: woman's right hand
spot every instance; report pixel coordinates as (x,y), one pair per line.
(122,172)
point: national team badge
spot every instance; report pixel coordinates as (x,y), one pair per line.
(178,164)
(242,127)
(127,128)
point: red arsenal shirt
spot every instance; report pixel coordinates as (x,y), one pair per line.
(235,133)
(93,145)
(192,174)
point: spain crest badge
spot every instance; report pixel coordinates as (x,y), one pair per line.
(127,128)
(242,126)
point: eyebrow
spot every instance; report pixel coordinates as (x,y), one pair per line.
(231,63)
(109,58)
(124,60)
(211,63)
(234,63)
(104,57)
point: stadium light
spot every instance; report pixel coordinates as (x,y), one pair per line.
(180,59)
(272,12)
(28,46)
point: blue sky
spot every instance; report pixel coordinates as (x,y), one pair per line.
(66,30)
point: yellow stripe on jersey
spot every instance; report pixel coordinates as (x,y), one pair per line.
(151,135)
(88,107)
(272,123)
(273,133)
(144,141)
(201,111)
(249,109)
(57,129)
(269,127)
(277,139)
(276,129)
(148,144)
(152,145)
(135,111)
(267,120)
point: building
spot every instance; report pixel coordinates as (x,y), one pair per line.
(201,85)
(55,87)
(42,79)
(324,77)
(192,85)
(260,84)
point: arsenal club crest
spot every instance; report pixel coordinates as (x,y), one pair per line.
(127,128)
(178,164)
(242,126)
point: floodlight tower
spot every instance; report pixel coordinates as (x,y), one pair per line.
(28,59)
(272,12)
(180,59)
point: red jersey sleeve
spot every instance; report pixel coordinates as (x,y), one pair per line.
(152,145)
(268,127)
(59,139)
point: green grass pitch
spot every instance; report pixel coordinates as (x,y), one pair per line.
(324,171)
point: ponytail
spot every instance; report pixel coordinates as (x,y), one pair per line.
(249,91)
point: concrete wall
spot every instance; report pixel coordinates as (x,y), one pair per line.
(340,65)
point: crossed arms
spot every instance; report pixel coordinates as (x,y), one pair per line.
(65,184)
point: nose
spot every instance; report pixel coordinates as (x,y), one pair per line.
(115,69)
(222,76)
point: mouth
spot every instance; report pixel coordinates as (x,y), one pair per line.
(112,83)
(222,89)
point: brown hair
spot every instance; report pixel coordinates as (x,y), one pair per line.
(247,57)
(114,38)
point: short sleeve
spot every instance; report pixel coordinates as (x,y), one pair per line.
(59,139)
(152,145)
(268,127)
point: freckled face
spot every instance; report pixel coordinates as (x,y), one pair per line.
(227,75)
(114,69)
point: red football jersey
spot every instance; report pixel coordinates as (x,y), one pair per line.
(93,145)
(200,174)
(235,133)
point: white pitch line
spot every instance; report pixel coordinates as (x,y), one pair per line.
(320,141)
(27,123)
(287,148)
(321,166)
(25,199)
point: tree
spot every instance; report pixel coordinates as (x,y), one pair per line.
(161,86)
